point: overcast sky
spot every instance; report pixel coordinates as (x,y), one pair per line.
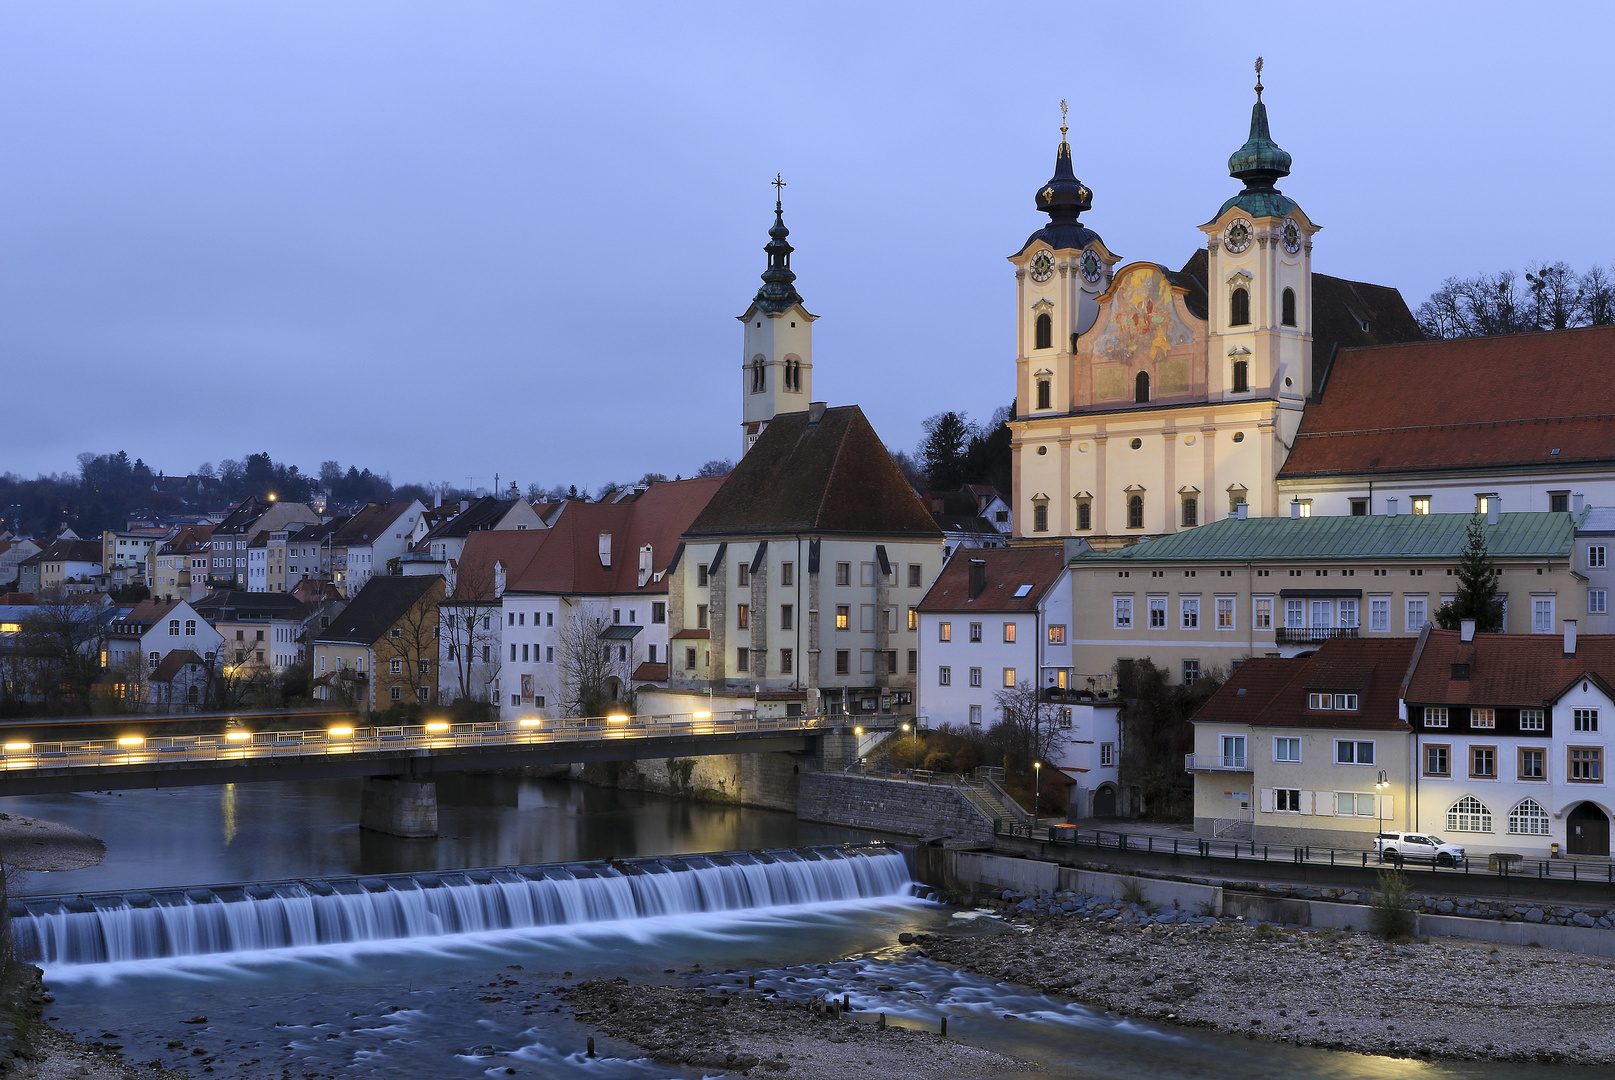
(444,240)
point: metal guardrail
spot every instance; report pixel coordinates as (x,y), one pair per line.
(1199,847)
(1214,763)
(341,739)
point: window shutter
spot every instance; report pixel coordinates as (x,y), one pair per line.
(1306,802)
(1267,800)
(1385,808)
(1323,803)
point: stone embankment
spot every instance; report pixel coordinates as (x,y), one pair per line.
(1436,998)
(746,1033)
(1530,911)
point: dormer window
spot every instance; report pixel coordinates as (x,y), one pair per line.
(1331,702)
(1460,672)
(1239,308)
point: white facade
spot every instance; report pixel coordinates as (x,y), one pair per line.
(531,660)
(179,628)
(1091,753)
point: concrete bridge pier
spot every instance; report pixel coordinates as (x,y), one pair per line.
(400,805)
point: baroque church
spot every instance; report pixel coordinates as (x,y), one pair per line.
(1151,399)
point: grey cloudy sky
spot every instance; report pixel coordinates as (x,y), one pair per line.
(447,239)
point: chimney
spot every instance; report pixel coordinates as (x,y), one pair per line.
(1295,509)
(1390,507)
(1242,511)
(815,412)
(978,577)
(1575,503)
(1493,508)
(605,550)
(1570,639)
(1466,630)
(465,504)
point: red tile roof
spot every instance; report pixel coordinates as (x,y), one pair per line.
(1272,691)
(649,672)
(1506,669)
(149,611)
(1485,402)
(1007,569)
(174,663)
(370,523)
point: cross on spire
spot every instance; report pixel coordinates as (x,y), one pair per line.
(1063,128)
(779,189)
(1258,78)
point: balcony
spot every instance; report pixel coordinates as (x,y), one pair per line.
(1214,763)
(1302,635)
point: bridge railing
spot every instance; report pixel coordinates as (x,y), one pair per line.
(243,745)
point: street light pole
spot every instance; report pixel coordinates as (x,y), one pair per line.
(1037,787)
(1379,809)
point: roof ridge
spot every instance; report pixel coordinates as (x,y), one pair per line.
(835,462)
(1499,338)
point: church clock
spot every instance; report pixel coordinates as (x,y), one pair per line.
(1238,235)
(1090,266)
(1291,235)
(1042,266)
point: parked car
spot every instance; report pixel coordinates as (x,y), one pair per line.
(1424,846)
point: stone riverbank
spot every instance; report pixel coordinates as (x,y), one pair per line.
(32,844)
(1440,998)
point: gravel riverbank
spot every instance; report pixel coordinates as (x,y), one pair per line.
(32,844)
(1447,998)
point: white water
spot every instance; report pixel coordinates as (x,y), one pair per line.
(198,922)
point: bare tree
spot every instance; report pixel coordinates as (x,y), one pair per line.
(1028,728)
(590,667)
(1598,296)
(66,633)
(469,617)
(1556,295)
(406,655)
(716,467)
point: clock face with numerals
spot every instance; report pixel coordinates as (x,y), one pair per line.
(1238,235)
(1042,266)
(1291,234)
(1091,267)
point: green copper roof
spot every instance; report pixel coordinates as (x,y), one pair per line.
(1406,536)
(1260,160)
(1260,204)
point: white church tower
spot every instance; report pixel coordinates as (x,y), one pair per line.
(777,365)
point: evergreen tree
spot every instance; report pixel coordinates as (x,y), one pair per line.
(1477,588)
(942,452)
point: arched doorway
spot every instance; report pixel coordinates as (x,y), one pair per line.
(1588,829)
(1104,801)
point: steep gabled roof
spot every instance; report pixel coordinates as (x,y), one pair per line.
(1540,400)
(1007,571)
(482,514)
(832,475)
(1272,691)
(370,523)
(68,551)
(175,662)
(1506,669)
(150,611)
(380,604)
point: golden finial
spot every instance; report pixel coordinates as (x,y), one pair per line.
(1258,78)
(1063,128)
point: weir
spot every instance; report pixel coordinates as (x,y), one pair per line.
(217,919)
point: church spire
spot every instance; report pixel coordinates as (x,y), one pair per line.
(1260,162)
(1064,197)
(779,289)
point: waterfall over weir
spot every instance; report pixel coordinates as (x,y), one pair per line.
(290,914)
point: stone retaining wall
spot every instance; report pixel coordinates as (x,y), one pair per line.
(863,802)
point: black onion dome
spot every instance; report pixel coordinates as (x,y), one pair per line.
(779,280)
(1063,198)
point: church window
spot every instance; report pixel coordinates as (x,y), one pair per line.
(1084,516)
(1040,517)
(757,377)
(1191,511)
(1239,436)
(1045,332)
(1239,308)
(1288,309)
(1043,393)
(1241,376)
(1141,387)
(1135,512)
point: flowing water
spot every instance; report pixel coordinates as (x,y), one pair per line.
(446,974)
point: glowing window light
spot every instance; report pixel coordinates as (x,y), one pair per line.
(131,740)
(438,725)
(340,732)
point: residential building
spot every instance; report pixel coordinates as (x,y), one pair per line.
(180,564)
(1090,753)
(1595,546)
(436,550)
(962,533)
(369,543)
(154,628)
(382,651)
(262,630)
(62,563)
(228,569)
(128,550)
(13,550)
(180,683)
(1219,594)
(1308,749)
(309,552)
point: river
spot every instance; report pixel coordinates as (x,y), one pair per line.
(484,1005)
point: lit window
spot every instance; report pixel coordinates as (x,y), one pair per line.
(1484,719)
(843,616)
(1225,613)
(1528,819)
(1469,814)
(1009,633)
(944,631)
(1262,612)
(1057,634)
(1421,504)
(1009,677)
(1435,716)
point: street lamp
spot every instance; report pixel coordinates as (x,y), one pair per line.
(1037,787)
(1379,809)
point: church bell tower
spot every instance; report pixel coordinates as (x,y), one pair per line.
(776,371)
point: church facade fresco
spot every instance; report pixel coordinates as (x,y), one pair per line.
(1143,325)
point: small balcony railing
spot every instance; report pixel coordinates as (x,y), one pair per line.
(1215,763)
(1301,635)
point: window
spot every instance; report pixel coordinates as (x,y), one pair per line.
(745,574)
(1421,504)
(549,654)
(1009,677)
(1107,755)
(1157,612)
(1135,512)
(1437,761)
(1354,804)
(1597,602)
(1379,614)
(913,661)
(1141,388)
(1262,613)
(975,716)
(689,659)
(1232,749)
(1587,764)
(701,616)
(1040,517)
(1124,613)
(891,661)
(787,573)
(742,659)
(1528,819)
(1189,610)
(944,631)
(1239,308)
(1287,307)
(843,662)
(1558,502)
(1009,633)
(787,617)
(1191,672)
(1225,613)
(1359,508)
(1351,752)
(787,661)
(1057,634)
(975,676)
(975,631)
(843,573)
(1595,556)
(701,575)
(1542,615)
(512,652)
(757,375)
(944,676)
(1483,719)
(396,667)
(743,616)
(1044,334)
(1469,814)
(1287,800)
(1287,749)
(1043,394)
(843,616)
(1415,613)
(1533,763)
(1483,762)
(173,628)
(395,693)
(1241,376)
(1586,719)
(1533,720)
(423,693)
(1295,614)
(1084,515)
(1435,716)
(1348,613)
(1191,511)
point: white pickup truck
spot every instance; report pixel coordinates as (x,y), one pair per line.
(1423,846)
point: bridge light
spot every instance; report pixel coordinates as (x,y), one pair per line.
(340,732)
(702,715)
(857,731)
(18,746)
(617,718)
(530,721)
(438,725)
(238,736)
(131,740)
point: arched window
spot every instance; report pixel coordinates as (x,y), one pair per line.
(1528,819)
(1242,380)
(1288,309)
(1043,393)
(1239,308)
(1135,512)
(1469,814)
(757,378)
(1141,387)
(1040,517)
(793,375)
(1045,332)
(191,695)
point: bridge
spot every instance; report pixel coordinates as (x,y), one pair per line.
(399,763)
